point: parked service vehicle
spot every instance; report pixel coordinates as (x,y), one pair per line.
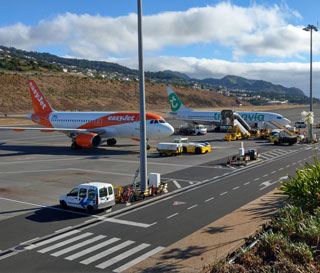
(91,196)
(200,129)
(193,147)
(300,124)
(168,148)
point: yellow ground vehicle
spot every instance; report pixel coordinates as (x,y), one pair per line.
(280,137)
(197,148)
(193,147)
(168,149)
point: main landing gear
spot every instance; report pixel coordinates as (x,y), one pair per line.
(75,146)
(111,141)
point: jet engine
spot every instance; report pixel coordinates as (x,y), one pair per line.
(88,140)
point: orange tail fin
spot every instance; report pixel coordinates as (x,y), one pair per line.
(39,102)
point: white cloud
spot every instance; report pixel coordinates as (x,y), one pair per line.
(256,30)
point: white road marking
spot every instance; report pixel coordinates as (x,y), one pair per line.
(91,249)
(29,241)
(138,260)
(287,166)
(247,183)
(225,173)
(209,199)
(106,252)
(273,172)
(49,248)
(40,161)
(224,193)
(172,215)
(280,169)
(256,178)
(193,206)
(63,229)
(294,163)
(265,175)
(104,172)
(73,247)
(55,238)
(176,184)
(129,223)
(299,161)
(122,256)
(267,184)
(235,188)
(283,177)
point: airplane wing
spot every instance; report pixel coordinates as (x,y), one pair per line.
(98,131)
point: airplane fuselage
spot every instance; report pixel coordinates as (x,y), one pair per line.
(109,124)
(214,117)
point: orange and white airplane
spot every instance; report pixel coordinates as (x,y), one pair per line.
(88,129)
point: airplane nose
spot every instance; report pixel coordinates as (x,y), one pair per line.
(170,129)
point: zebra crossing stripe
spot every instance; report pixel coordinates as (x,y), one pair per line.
(68,249)
(55,238)
(106,252)
(49,248)
(122,256)
(90,249)
(138,259)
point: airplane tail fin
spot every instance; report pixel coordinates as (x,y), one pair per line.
(175,104)
(39,102)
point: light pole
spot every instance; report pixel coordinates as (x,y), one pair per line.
(310,28)
(143,155)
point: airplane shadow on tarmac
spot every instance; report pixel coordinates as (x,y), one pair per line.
(18,150)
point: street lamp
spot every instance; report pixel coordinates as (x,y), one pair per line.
(310,28)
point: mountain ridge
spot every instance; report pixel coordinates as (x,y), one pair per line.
(166,76)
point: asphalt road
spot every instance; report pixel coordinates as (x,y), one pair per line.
(35,168)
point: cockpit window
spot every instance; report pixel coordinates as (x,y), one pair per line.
(161,121)
(155,121)
(151,121)
(278,117)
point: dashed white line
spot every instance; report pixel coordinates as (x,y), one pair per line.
(287,166)
(256,178)
(265,175)
(209,199)
(172,215)
(273,172)
(235,188)
(193,206)
(225,173)
(247,183)
(299,161)
(224,193)
(280,169)
(294,163)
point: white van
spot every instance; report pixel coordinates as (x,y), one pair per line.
(90,196)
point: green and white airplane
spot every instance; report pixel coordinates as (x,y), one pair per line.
(179,111)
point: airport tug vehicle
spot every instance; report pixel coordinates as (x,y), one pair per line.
(193,147)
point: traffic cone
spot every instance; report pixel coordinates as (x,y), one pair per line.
(228,162)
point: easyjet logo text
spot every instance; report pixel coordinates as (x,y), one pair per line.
(38,97)
(122,118)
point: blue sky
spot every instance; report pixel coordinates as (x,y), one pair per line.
(254,39)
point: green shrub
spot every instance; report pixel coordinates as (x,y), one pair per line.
(304,189)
